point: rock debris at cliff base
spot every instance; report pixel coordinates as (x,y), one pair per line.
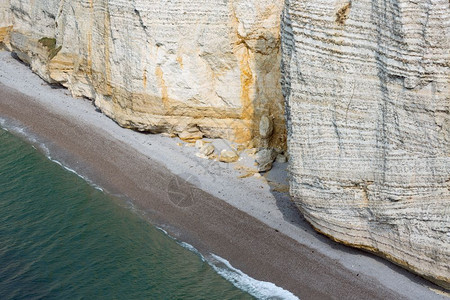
(365,84)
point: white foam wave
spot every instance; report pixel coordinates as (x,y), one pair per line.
(259,289)
(192,249)
(37,144)
(19,130)
(165,232)
(15,129)
(75,172)
(256,288)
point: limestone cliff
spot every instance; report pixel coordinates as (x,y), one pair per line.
(366,84)
(368,107)
(189,66)
(5,23)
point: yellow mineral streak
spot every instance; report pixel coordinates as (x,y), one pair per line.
(144,79)
(227,90)
(162,84)
(4,31)
(247,83)
(180,60)
(4,34)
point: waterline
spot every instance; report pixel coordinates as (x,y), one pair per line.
(220,266)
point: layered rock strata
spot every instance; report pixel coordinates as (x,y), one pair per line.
(208,67)
(367,87)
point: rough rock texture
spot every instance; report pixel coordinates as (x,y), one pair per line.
(265,158)
(207,150)
(161,66)
(366,84)
(5,23)
(228,156)
(368,106)
(265,127)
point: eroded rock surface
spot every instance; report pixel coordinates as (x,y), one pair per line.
(368,107)
(228,156)
(5,23)
(265,158)
(366,84)
(160,66)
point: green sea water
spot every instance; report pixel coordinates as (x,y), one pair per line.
(60,238)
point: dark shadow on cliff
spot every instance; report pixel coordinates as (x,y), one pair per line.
(16,57)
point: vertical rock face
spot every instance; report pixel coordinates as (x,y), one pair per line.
(5,23)
(366,85)
(209,66)
(368,107)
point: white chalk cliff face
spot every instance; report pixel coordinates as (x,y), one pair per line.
(189,66)
(366,84)
(5,22)
(367,87)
